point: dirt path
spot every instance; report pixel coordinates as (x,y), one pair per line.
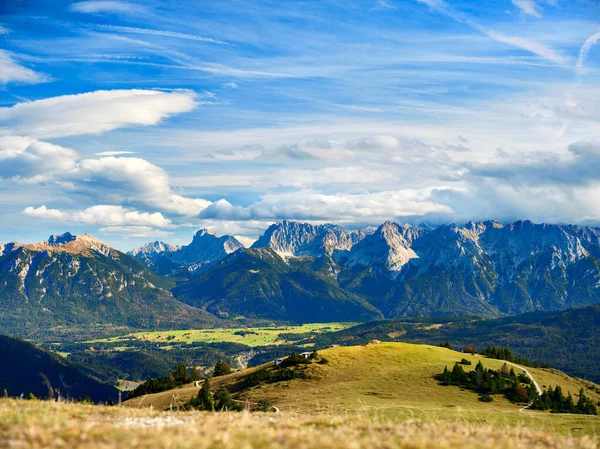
(535,384)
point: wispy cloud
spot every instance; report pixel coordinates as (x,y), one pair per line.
(13,72)
(529,45)
(106,7)
(585,49)
(529,7)
(151,32)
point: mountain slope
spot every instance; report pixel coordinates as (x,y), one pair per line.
(22,366)
(77,281)
(257,283)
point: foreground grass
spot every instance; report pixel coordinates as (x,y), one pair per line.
(253,336)
(37,425)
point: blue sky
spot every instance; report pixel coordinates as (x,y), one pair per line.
(137,121)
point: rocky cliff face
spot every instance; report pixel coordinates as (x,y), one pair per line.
(205,250)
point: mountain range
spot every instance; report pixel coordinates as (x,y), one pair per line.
(301,272)
(480,269)
(80,281)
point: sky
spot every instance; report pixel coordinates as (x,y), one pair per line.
(139,121)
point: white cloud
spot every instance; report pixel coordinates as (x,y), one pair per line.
(230,85)
(529,7)
(25,158)
(102,215)
(313,205)
(132,180)
(585,49)
(12,72)
(106,6)
(114,153)
(4,30)
(95,112)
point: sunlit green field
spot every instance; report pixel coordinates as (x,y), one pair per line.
(250,336)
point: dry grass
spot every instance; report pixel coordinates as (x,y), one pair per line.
(44,425)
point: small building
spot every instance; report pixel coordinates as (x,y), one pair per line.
(306,355)
(279,361)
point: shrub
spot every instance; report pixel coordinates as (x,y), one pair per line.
(485,398)
(465,362)
(469,349)
(446,344)
(323,361)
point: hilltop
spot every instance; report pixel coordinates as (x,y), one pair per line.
(388,380)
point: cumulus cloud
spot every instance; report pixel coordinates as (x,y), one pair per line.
(580,166)
(25,158)
(123,180)
(95,112)
(102,215)
(312,205)
(13,72)
(132,180)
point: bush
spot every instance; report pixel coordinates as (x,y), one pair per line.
(465,362)
(485,398)
(323,361)
(469,349)
(446,344)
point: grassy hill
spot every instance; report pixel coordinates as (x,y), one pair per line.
(391,381)
(568,340)
(22,364)
(43,425)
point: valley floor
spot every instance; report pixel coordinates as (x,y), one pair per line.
(39,424)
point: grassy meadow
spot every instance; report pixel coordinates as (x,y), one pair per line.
(42,425)
(249,336)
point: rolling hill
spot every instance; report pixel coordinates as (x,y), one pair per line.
(23,365)
(567,340)
(388,380)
